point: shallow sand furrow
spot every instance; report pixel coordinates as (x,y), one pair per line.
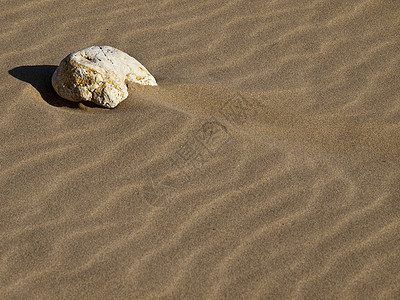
(183,272)
(293,217)
(120,243)
(52,141)
(264,165)
(106,155)
(354,256)
(32,162)
(184,229)
(361,282)
(189,222)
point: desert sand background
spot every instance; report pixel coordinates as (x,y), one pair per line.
(265,165)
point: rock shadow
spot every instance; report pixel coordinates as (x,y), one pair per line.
(40,78)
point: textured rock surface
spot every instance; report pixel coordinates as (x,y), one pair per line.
(99,74)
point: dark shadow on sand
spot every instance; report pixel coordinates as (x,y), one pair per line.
(40,78)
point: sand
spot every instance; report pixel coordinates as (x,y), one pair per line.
(265,165)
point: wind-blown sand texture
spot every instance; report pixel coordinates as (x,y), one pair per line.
(265,165)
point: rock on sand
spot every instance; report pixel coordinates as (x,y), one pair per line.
(99,74)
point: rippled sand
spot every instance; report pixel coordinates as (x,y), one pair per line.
(265,165)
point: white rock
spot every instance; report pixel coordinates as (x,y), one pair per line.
(99,74)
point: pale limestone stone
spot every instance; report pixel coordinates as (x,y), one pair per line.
(99,74)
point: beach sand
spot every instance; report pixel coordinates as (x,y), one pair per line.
(265,165)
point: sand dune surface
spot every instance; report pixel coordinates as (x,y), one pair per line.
(265,165)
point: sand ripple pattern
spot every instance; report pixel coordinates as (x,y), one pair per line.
(299,200)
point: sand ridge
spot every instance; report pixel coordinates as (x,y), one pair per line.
(264,166)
